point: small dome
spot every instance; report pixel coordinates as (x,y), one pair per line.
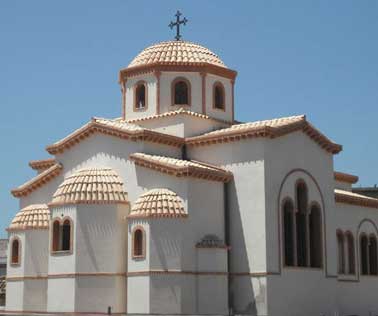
(158,203)
(93,185)
(36,216)
(176,53)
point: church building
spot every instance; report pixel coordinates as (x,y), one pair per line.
(176,208)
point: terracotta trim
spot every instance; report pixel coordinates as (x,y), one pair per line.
(356,200)
(144,243)
(42,164)
(174,272)
(203,82)
(345,177)
(189,87)
(215,85)
(38,181)
(187,171)
(233,100)
(178,67)
(157,75)
(96,127)
(58,313)
(268,132)
(138,83)
(123,91)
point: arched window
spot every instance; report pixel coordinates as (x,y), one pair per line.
(288,230)
(301,224)
(140,96)
(66,235)
(15,251)
(351,256)
(56,236)
(180,92)
(138,250)
(364,255)
(340,252)
(373,260)
(315,224)
(218,96)
(61,235)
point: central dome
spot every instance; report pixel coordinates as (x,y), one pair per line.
(176,53)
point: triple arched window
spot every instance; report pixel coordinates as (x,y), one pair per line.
(302,230)
(62,235)
(15,256)
(140,96)
(138,243)
(346,254)
(181,92)
(368,254)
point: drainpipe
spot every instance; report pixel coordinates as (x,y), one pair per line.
(227,241)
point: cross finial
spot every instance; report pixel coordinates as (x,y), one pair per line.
(177,24)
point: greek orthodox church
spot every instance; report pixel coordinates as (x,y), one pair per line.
(176,208)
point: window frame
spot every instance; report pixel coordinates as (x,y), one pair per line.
(215,85)
(143,255)
(11,262)
(135,87)
(173,84)
(61,222)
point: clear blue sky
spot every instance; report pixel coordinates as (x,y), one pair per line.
(59,62)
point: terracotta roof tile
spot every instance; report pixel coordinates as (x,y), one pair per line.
(117,128)
(38,181)
(176,52)
(342,196)
(174,113)
(35,216)
(345,177)
(267,128)
(93,185)
(180,167)
(42,164)
(158,203)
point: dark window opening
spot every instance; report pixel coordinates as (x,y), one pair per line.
(341,253)
(364,255)
(140,96)
(373,260)
(66,235)
(138,243)
(288,217)
(351,256)
(315,237)
(219,97)
(181,93)
(15,252)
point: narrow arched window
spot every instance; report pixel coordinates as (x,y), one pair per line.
(351,255)
(15,251)
(340,252)
(181,92)
(66,235)
(301,224)
(140,99)
(288,229)
(56,236)
(315,225)
(138,243)
(373,260)
(218,96)
(364,255)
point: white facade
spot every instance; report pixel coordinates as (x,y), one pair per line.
(176,209)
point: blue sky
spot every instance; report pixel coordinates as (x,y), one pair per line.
(59,62)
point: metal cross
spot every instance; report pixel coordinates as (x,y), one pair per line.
(177,24)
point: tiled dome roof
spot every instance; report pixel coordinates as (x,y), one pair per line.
(176,52)
(35,216)
(93,185)
(158,203)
